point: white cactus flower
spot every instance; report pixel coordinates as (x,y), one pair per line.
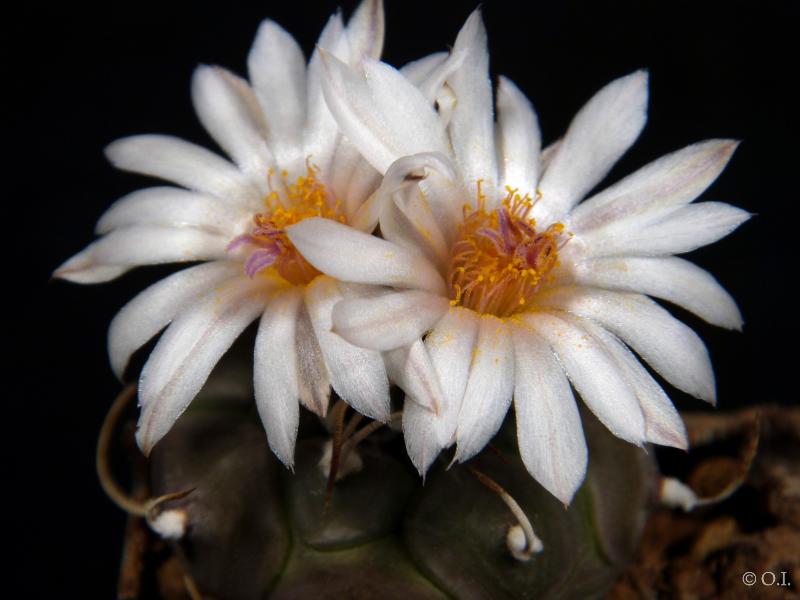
(496,279)
(290,162)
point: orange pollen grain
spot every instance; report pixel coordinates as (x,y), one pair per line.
(289,203)
(500,260)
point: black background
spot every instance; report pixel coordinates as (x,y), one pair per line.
(78,77)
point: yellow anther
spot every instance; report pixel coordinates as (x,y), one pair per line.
(286,205)
(501,278)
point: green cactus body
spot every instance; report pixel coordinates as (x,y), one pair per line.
(258,530)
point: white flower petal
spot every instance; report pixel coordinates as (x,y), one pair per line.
(94,274)
(443,196)
(667,183)
(547,155)
(345,161)
(389,321)
(406,171)
(598,136)
(419,70)
(350,255)
(365,31)
(663,424)
(363,183)
(489,389)
(275,374)
(519,139)
(408,216)
(357,375)
(381,112)
(153,309)
(411,368)
(186,164)
(277,69)
(187,352)
(472,123)
(445,104)
(172,207)
(407,114)
(450,346)
(682,230)
(669,278)
(124,249)
(313,379)
(669,346)
(549,431)
(595,374)
(321,132)
(432,84)
(229,111)
(407,220)
(420,435)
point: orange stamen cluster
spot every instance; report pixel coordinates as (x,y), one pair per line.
(499,260)
(273,252)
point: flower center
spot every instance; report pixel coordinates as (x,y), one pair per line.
(499,259)
(271,251)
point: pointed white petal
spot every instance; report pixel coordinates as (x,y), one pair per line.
(598,136)
(669,278)
(95,274)
(663,424)
(667,183)
(396,100)
(363,183)
(314,383)
(277,68)
(350,255)
(682,230)
(186,164)
(381,112)
(404,172)
(345,161)
(549,431)
(444,197)
(124,249)
(432,84)
(411,368)
(418,70)
(230,113)
(389,321)
(365,31)
(321,132)
(445,104)
(275,374)
(357,375)
(186,354)
(472,124)
(420,435)
(669,346)
(410,217)
(547,155)
(172,207)
(594,374)
(408,221)
(450,346)
(154,308)
(519,139)
(489,388)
